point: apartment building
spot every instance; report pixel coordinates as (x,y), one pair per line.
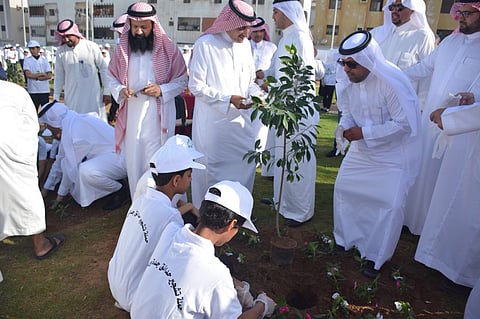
(185,20)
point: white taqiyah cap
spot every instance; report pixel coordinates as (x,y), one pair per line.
(235,197)
(186,142)
(172,158)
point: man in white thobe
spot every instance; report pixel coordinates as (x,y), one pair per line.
(454,68)
(381,119)
(147,72)
(22,212)
(450,236)
(89,167)
(262,50)
(298,197)
(406,38)
(77,67)
(222,75)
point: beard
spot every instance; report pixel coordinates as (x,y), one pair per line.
(140,43)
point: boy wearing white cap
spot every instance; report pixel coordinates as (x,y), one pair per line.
(184,279)
(171,168)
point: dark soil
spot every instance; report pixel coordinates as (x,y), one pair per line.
(305,284)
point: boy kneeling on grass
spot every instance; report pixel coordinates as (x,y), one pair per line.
(171,168)
(184,278)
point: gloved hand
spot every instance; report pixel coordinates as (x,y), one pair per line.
(268,302)
(244,295)
(342,142)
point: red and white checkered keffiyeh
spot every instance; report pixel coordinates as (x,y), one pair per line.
(456,7)
(167,61)
(260,25)
(228,20)
(66,27)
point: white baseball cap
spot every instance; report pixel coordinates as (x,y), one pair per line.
(186,142)
(33,44)
(235,197)
(172,158)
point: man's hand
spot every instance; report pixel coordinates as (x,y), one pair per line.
(436,117)
(107,99)
(467,98)
(240,102)
(353,134)
(152,89)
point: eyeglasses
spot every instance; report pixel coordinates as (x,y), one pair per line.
(396,7)
(350,64)
(465,14)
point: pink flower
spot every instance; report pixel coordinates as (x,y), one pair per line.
(397,283)
(284,309)
(305,243)
(307,316)
(355,285)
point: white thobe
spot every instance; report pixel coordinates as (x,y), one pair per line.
(184,279)
(145,222)
(298,197)
(374,177)
(472,309)
(450,238)
(146,131)
(262,52)
(406,46)
(90,168)
(219,69)
(22,211)
(453,68)
(76,70)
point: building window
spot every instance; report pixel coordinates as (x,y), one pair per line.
(3,28)
(331,5)
(52,32)
(103,10)
(152,1)
(186,1)
(376,5)
(188,24)
(446,6)
(217,1)
(37,31)
(330,29)
(1,7)
(37,11)
(259,2)
(51,12)
(102,33)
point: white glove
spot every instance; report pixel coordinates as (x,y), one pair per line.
(268,302)
(244,295)
(342,142)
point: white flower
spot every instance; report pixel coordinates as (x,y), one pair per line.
(379,316)
(329,274)
(398,305)
(335,295)
(344,304)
